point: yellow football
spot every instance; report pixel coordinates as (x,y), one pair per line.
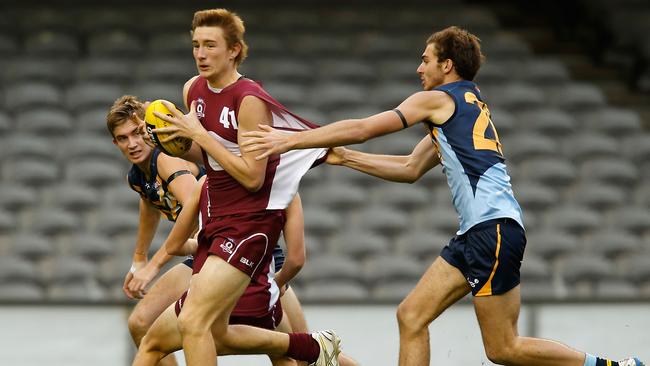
(175,147)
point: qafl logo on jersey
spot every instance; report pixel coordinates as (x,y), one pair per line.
(227,246)
(200,108)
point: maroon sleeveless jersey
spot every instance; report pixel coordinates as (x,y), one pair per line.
(218,111)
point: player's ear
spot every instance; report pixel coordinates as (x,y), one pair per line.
(447,65)
(235,50)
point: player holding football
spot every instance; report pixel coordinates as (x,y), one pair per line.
(489,246)
(256,307)
(158,193)
(247,197)
(164,184)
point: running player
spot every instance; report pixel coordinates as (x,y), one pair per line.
(258,305)
(485,256)
(164,184)
(247,197)
(163,336)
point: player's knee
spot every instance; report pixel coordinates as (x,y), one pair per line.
(148,344)
(188,325)
(138,325)
(151,348)
(500,355)
(495,356)
(409,317)
(219,330)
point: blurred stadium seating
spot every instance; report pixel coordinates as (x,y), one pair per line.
(67,219)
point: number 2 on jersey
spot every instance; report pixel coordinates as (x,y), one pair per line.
(227,118)
(482,123)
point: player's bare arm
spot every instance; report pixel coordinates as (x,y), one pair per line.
(183,184)
(428,105)
(251,110)
(147,225)
(403,168)
(294,237)
(181,187)
(433,106)
(178,241)
(248,171)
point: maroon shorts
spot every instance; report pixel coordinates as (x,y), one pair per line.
(245,241)
(270,320)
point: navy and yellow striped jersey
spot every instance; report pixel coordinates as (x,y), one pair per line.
(154,189)
(472,159)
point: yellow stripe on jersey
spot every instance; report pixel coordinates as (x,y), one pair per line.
(486,290)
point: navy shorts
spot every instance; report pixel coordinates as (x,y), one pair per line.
(489,255)
(278,257)
(189,261)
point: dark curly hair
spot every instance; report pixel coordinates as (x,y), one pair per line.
(461,47)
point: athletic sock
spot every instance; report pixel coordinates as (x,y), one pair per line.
(591,360)
(303,347)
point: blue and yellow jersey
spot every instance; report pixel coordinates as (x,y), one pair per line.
(154,189)
(472,159)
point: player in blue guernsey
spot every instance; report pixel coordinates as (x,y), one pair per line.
(154,189)
(164,183)
(485,256)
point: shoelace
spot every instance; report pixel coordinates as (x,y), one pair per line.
(329,358)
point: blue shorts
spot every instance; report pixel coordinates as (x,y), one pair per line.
(489,255)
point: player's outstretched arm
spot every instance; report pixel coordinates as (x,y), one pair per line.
(268,141)
(294,237)
(404,168)
(435,106)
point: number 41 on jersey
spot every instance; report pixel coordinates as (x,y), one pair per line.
(227,118)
